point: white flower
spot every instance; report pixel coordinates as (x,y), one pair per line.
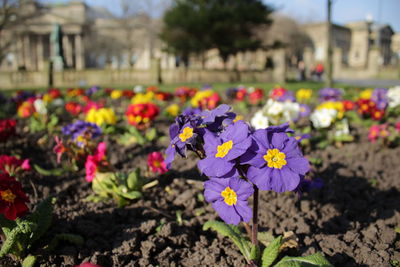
(59,102)
(40,106)
(138,89)
(259,121)
(323,118)
(393,95)
(281,112)
(342,128)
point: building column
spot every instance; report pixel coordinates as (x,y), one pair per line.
(79,56)
(39,52)
(27,53)
(67,51)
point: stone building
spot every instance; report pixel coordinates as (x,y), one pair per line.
(355,41)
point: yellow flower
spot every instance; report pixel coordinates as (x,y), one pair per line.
(337,105)
(199,96)
(141,98)
(47,98)
(303,94)
(101,116)
(366,94)
(115,94)
(173,110)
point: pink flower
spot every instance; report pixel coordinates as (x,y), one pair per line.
(373,133)
(156,163)
(91,168)
(397,126)
(93,161)
(25,165)
(59,148)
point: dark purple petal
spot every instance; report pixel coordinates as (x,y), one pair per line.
(238,149)
(252,159)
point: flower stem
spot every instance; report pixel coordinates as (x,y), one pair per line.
(254,232)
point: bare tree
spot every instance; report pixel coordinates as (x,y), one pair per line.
(14,17)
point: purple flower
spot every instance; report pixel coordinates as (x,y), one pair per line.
(217,119)
(231,93)
(379,96)
(330,94)
(307,185)
(276,162)
(189,111)
(304,110)
(223,150)
(92,90)
(81,131)
(229,198)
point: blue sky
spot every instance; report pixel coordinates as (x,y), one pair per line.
(343,11)
(313,10)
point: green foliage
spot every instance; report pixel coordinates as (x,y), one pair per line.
(234,234)
(44,172)
(29,261)
(21,234)
(194,26)
(71,238)
(117,186)
(271,252)
(41,123)
(134,136)
(314,260)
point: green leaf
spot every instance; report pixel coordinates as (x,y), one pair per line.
(313,260)
(42,216)
(233,233)
(151,134)
(6,225)
(53,172)
(29,261)
(71,238)
(10,245)
(255,253)
(134,180)
(131,195)
(271,252)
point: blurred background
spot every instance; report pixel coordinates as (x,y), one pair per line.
(75,43)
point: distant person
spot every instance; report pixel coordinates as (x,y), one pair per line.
(319,70)
(301,67)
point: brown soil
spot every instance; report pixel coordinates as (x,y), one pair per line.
(351,219)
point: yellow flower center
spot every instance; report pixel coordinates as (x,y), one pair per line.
(229,196)
(157,164)
(186,134)
(7,195)
(222,150)
(275,158)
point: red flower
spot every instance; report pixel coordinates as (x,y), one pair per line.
(141,115)
(241,94)
(276,93)
(348,105)
(256,96)
(12,199)
(155,161)
(163,96)
(377,114)
(11,165)
(54,93)
(210,102)
(152,89)
(7,129)
(92,104)
(128,93)
(73,108)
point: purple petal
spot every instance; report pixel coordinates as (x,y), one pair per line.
(260,177)
(243,209)
(215,167)
(261,138)
(226,212)
(236,132)
(213,189)
(252,159)
(242,188)
(278,140)
(298,165)
(210,143)
(238,149)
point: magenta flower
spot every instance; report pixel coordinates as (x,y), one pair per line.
(59,148)
(93,161)
(223,150)
(276,162)
(156,163)
(229,198)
